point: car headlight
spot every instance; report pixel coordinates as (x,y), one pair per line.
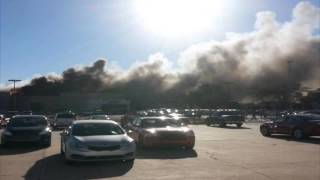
(45,131)
(7,133)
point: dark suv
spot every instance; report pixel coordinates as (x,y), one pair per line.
(27,128)
(298,126)
(224,117)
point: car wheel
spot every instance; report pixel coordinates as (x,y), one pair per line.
(239,125)
(298,134)
(265,131)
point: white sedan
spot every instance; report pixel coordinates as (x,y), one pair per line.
(96,140)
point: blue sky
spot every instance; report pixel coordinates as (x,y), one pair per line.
(42,36)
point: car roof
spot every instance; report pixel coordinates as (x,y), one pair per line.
(94,121)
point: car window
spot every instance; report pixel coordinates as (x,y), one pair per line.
(296,119)
(94,129)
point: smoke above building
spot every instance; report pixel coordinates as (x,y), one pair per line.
(271,62)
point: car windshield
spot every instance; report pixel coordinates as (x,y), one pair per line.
(158,123)
(27,121)
(65,116)
(94,129)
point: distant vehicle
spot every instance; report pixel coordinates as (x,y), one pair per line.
(299,126)
(161,131)
(27,128)
(95,140)
(63,120)
(224,117)
(100,117)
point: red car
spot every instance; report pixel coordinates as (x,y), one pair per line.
(161,131)
(299,126)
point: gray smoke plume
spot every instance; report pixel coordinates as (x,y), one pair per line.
(274,60)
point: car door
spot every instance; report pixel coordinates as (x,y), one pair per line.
(284,126)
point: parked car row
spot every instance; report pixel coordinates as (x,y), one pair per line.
(103,139)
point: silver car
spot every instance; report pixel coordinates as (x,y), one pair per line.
(96,140)
(63,120)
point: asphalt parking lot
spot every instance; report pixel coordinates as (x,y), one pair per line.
(220,153)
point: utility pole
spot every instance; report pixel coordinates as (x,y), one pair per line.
(14,92)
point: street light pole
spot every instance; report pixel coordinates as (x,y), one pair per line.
(14,92)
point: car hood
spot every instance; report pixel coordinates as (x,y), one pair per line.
(103,140)
(169,129)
